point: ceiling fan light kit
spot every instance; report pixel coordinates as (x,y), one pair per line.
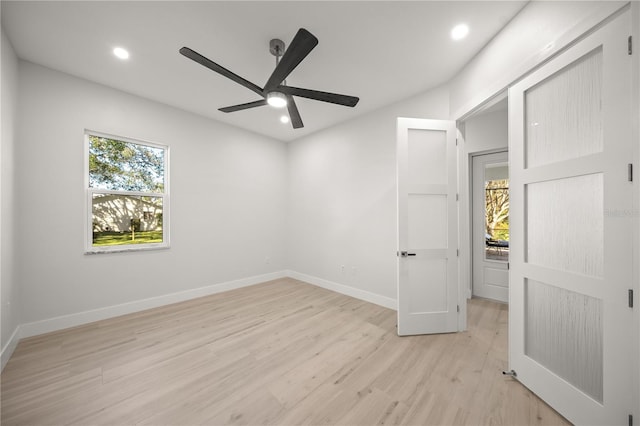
(276,92)
(277,99)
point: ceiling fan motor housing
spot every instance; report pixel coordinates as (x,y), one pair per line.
(276,47)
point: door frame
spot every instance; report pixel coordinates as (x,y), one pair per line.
(471,212)
(465,161)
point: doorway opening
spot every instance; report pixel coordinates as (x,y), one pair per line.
(484,208)
(490,226)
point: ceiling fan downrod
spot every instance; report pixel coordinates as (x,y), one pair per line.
(276,47)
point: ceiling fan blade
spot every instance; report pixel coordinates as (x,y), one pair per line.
(300,46)
(248,105)
(294,115)
(195,56)
(317,95)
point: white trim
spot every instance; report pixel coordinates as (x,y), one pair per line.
(130,193)
(165,196)
(367,296)
(635,136)
(136,141)
(11,345)
(80,318)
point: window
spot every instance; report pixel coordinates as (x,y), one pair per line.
(127,194)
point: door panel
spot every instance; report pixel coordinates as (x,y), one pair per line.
(436,270)
(565,219)
(496,277)
(426,150)
(565,108)
(490,211)
(570,326)
(425,210)
(427,227)
(570,349)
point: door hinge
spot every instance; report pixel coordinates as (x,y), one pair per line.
(630,172)
(458,308)
(630,45)
(457,197)
(457,252)
(631,298)
(456,141)
(630,419)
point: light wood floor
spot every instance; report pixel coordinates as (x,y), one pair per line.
(282,352)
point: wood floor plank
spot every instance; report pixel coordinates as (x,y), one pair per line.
(282,353)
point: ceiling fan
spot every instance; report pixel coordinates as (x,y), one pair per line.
(275,92)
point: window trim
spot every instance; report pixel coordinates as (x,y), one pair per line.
(89,248)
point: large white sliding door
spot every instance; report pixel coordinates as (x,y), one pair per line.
(571,243)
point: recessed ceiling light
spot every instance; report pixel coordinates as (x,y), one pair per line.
(460,31)
(121,53)
(284,119)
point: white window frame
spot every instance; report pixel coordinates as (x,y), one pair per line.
(89,247)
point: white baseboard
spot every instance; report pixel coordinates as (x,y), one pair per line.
(80,318)
(72,320)
(9,347)
(367,296)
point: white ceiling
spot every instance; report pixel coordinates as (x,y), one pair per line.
(380,51)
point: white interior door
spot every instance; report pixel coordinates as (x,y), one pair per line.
(570,324)
(490,211)
(427,227)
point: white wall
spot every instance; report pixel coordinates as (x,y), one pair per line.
(9,291)
(343,208)
(227,200)
(540,30)
(486,132)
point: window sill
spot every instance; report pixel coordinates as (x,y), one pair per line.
(141,247)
